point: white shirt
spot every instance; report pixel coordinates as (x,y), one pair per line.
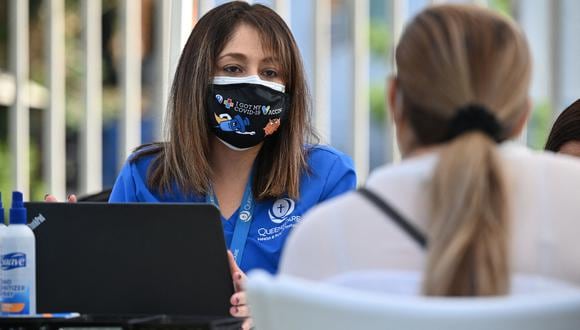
(349,233)
(408,283)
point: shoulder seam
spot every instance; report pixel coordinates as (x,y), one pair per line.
(326,149)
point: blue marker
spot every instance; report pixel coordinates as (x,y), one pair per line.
(46,315)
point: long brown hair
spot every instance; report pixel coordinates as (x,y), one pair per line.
(183,159)
(451,56)
(566,128)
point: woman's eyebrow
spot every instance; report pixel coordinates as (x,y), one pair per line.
(236,56)
(271,60)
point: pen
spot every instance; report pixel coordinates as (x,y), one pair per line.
(45,315)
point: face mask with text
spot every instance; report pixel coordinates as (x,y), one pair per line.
(243,111)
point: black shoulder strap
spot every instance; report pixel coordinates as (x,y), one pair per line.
(395,216)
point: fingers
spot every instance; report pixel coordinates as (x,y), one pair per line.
(234,269)
(248,324)
(239,298)
(238,275)
(240,311)
(50,198)
(233,265)
(239,281)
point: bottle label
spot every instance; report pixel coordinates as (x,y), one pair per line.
(15,295)
(13,260)
(17,301)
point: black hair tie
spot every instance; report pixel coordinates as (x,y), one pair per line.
(474,117)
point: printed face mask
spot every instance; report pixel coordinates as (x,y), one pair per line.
(243,111)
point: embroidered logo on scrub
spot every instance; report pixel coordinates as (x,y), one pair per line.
(281,209)
(281,215)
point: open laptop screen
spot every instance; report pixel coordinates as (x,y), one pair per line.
(134,258)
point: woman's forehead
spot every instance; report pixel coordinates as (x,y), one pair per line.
(246,43)
(571,148)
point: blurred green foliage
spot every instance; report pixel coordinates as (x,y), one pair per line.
(380,38)
(380,43)
(377,100)
(37,189)
(74,85)
(503,6)
(539,125)
(37,74)
(5,180)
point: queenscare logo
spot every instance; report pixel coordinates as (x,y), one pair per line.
(13,260)
(281,209)
(245,216)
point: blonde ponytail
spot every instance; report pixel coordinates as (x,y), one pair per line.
(468,233)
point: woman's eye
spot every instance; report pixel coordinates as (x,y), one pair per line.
(270,73)
(232,69)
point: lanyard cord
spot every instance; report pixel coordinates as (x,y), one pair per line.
(244,219)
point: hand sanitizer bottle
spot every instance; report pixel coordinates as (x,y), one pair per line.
(2,233)
(17,263)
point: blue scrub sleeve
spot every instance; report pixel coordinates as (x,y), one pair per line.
(340,179)
(124,189)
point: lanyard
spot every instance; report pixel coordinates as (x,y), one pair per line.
(243,222)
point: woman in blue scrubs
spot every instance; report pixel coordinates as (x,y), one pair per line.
(239,136)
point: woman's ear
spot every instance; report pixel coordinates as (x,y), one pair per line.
(522,121)
(391,96)
(395,102)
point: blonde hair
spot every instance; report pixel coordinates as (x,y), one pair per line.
(451,56)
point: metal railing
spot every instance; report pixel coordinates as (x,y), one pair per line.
(173,22)
(18,133)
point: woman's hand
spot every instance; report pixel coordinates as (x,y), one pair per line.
(238,300)
(51,199)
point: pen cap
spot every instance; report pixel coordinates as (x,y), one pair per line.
(17,211)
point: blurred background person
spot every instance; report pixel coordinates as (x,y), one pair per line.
(565,134)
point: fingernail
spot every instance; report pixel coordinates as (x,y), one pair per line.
(239,276)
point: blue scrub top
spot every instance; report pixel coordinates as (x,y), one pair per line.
(331,174)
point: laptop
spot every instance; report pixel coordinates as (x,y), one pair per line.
(135,258)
